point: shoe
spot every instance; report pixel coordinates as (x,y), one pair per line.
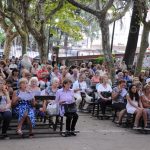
(66,134)
(5,137)
(136,128)
(72,133)
(118,123)
(19,132)
(147,128)
(31,135)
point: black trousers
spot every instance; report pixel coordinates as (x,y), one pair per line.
(71,120)
(6,118)
(104,104)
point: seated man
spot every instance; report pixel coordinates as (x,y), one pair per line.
(79,87)
(118,103)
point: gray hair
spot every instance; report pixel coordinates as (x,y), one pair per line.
(34,79)
(55,79)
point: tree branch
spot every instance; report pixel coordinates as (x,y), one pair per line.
(97,4)
(120,14)
(108,5)
(59,6)
(85,8)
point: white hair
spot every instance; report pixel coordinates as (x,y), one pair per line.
(34,79)
(26,59)
(55,79)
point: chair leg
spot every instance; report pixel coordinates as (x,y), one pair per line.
(61,124)
(98,105)
(55,124)
(114,117)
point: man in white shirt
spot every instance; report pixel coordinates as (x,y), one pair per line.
(78,87)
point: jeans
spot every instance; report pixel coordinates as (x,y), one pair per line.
(71,120)
(6,118)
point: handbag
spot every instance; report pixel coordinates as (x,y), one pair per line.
(53,109)
(70,108)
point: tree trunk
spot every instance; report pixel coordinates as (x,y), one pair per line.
(7,46)
(132,37)
(42,48)
(66,41)
(106,48)
(24,40)
(143,47)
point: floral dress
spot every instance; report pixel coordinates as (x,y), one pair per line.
(25,106)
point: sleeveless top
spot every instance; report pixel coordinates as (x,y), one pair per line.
(3,102)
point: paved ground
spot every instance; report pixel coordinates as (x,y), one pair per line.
(94,135)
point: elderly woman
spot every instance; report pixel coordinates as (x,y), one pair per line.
(104,92)
(5,105)
(65,98)
(79,87)
(24,100)
(51,91)
(33,86)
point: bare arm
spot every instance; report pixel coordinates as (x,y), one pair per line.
(131,102)
(15,99)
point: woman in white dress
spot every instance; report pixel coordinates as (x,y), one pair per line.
(134,106)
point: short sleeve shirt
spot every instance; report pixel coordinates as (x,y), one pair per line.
(121,96)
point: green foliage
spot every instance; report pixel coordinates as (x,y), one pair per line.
(99,60)
(68,22)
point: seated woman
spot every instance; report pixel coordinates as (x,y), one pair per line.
(5,105)
(104,92)
(118,100)
(146,99)
(96,78)
(24,100)
(14,78)
(33,86)
(51,91)
(65,97)
(134,106)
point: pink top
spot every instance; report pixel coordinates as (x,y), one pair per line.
(95,79)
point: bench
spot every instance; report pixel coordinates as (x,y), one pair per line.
(46,127)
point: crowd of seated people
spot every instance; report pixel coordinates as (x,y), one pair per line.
(22,79)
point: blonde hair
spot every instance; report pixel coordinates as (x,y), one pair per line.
(22,80)
(147,86)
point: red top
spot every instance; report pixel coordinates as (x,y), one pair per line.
(42,75)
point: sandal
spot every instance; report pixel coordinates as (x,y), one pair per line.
(31,135)
(19,132)
(118,123)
